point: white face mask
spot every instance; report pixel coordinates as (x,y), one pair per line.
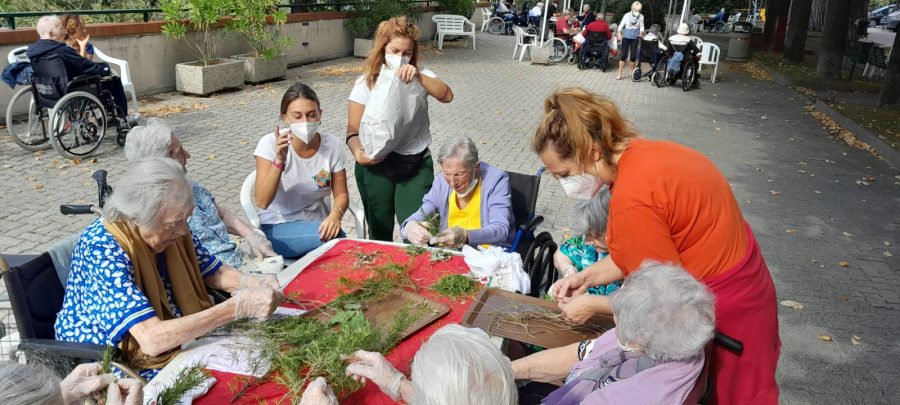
(624,347)
(469,189)
(394,61)
(581,186)
(305,130)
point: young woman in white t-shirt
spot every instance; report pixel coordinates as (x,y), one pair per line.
(394,186)
(297,168)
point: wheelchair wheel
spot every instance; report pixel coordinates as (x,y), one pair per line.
(77,125)
(719,27)
(28,130)
(656,79)
(558,50)
(636,74)
(572,58)
(120,139)
(687,79)
(495,26)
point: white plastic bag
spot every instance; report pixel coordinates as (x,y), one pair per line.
(497,268)
(578,38)
(395,110)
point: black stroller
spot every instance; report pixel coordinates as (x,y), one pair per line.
(594,52)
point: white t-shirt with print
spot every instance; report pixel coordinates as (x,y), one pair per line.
(360,94)
(305,183)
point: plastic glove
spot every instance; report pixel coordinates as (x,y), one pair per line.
(563,263)
(417,233)
(374,367)
(260,245)
(255,280)
(453,237)
(126,391)
(318,392)
(83,381)
(257,303)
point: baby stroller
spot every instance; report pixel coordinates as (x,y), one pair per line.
(652,52)
(686,69)
(594,52)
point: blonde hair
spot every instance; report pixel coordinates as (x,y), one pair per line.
(575,119)
(396,27)
(72,26)
(636,6)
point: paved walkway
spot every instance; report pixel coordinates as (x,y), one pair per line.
(815,203)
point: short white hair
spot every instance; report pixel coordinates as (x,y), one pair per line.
(457,366)
(147,190)
(49,27)
(586,7)
(591,217)
(460,147)
(664,311)
(22,384)
(150,141)
(636,6)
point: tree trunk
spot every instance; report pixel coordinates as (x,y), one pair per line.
(834,38)
(798,24)
(775,9)
(890,87)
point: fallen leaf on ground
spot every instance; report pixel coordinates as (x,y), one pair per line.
(775,192)
(844,298)
(856,340)
(869,178)
(886,243)
(825,338)
(848,234)
(888,254)
(791,231)
(212,156)
(32,178)
(862,182)
(843,264)
(38,186)
(792,304)
(75,162)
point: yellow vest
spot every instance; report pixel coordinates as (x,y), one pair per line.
(468,218)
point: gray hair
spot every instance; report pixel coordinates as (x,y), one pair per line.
(586,7)
(150,141)
(665,312)
(460,147)
(591,216)
(50,27)
(456,366)
(22,384)
(146,190)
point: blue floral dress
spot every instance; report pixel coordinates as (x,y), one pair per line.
(207,226)
(584,255)
(102,302)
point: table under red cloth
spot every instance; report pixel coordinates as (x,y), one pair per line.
(317,282)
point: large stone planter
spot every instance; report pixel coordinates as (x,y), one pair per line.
(257,70)
(194,78)
(361,47)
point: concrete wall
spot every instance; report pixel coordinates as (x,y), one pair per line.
(152,57)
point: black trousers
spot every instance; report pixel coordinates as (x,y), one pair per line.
(113,84)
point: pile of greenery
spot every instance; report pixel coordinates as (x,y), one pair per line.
(455,286)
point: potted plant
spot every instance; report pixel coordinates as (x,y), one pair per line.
(193,21)
(366,15)
(250,18)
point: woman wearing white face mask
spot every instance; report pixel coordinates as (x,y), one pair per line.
(394,186)
(630,30)
(472,199)
(297,167)
(670,204)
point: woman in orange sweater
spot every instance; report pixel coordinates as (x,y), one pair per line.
(671,204)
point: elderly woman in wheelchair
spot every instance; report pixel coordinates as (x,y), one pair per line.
(471,199)
(138,278)
(683,55)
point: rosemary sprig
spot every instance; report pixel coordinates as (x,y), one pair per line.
(455,286)
(186,380)
(414,250)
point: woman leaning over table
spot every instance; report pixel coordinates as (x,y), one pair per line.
(394,186)
(670,204)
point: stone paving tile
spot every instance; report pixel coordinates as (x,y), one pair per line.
(796,184)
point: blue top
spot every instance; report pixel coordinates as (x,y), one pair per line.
(207,226)
(102,301)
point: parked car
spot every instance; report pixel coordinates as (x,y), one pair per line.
(890,22)
(875,16)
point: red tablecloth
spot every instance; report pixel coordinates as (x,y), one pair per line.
(318,282)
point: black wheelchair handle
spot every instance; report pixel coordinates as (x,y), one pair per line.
(729,343)
(76,209)
(532,223)
(103,189)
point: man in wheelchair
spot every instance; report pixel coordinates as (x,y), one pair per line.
(681,50)
(51,45)
(594,52)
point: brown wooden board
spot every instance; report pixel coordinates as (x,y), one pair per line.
(381,313)
(490,312)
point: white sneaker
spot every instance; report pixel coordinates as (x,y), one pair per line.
(133,118)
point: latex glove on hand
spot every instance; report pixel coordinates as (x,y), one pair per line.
(569,287)
(257,303)
(417,233)
(256,280)
(451,237)
(260,246)
(318,392)
(374,367)
(83,382)
(126,391)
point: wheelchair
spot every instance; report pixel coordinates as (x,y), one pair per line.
(688,73)
(652,52)
(503,23)
(72,113)
(594,52)
(562,47)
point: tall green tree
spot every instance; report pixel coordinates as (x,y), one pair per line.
(890,87)
(834,38)
(798,24)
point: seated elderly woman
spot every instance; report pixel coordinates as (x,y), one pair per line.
(138,276)
(471,198)
(589,245)
(455,366)
(22,384)
(664,319)
(209,222)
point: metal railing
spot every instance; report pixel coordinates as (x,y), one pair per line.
(145,13)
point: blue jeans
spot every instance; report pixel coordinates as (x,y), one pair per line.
(294,239)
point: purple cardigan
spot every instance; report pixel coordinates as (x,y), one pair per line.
(497,226)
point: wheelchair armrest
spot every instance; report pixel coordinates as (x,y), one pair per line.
(532,223)
(76,350)
(82,80)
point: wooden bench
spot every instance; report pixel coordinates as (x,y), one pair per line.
(448,24)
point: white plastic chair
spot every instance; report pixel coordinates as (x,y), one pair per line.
(709,55)
(449,24)
(249,206)
(485,18)
(523,42)
(124,75)
(21,57)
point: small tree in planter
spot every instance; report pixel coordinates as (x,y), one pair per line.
(366,15)
(250,19)
(464,8)
(193,21)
